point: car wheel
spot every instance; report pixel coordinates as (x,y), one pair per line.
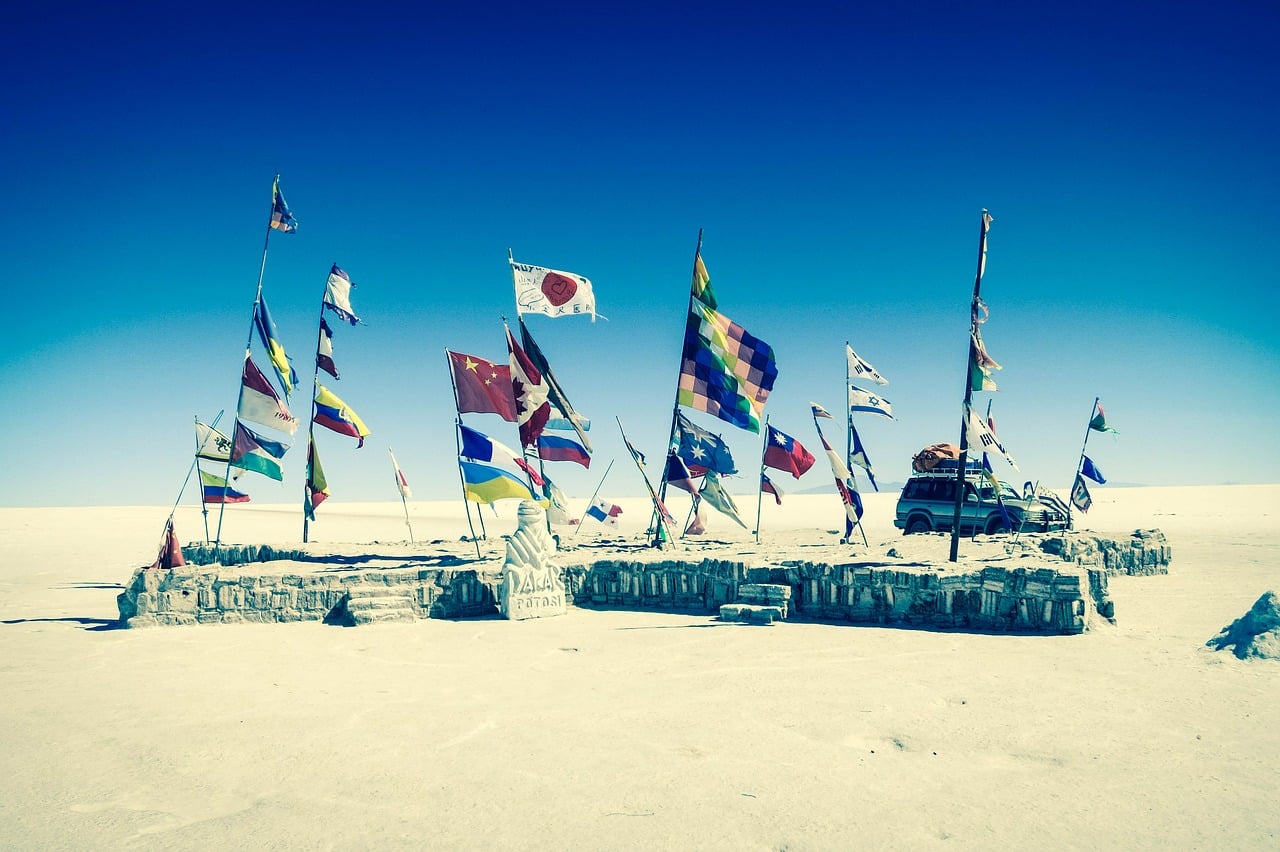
(996,524)
(917,524)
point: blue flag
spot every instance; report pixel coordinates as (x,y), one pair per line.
(1091,471)
(701,450)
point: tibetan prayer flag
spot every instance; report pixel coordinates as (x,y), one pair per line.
(211,444)
(275,349)
(555,394)
(259,403)
(860,369)
(552,292)
(281,218)
(251,451)
(216,489)
(317,490)
(337,295)
(562,448)
(324,350)
(782,452)
(1089,469)
(333,413)
(869,403)
(530,394)
(483,387)
(484,483)
(725,371)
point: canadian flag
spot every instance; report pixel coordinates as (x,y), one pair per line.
(530,392)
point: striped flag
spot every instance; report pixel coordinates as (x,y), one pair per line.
(251,451)
(845,484)
(259,403)
(216,489)
(324,350)
(317,486)
(275,349)
(333,413)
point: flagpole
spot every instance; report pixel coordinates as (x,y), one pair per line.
(311,422)
(457,440)
(204,507)
(764,448)
(248,346)
(592,500)
(675,408)
(400,488)
(657,501)
(968,387)
(1080,461)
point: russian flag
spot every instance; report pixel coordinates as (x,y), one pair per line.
(558,448)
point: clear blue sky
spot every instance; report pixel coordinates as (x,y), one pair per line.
(836,157)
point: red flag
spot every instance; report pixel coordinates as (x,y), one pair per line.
(483,386)
(786,453)
(767,486)
(530,392)
(170,555)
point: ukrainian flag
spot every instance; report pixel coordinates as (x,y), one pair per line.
(275,349)
(485,483)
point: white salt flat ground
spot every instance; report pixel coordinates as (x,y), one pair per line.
(625,730)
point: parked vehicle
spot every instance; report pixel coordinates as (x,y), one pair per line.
(928,501)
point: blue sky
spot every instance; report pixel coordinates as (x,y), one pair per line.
(837,159)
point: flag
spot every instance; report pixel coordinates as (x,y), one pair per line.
(979,435)
(726,372)
(869,403)
(767,486)
(564,424)
(551,292)
(402,484)
(562,448)
(1099,421)
(783,452)
(605,512)
(324,350)
(337,295)
(858,455)
(333,413)
(259,403)
(170,555)
(1080,495)
(677,474)
(281,218)
(482,387)
(480,447)
(559,402)
(701,286)
(557,504)
(986,226)
(980,364)
(251,451)
(216,489)
(859,369)
(636,455)
(701,450)
(275,350)
(846,487)
(211,444)
(995,485)
(317,490)
(530,393)
(484,483)
(1090,470)
(819,411)
(713,492)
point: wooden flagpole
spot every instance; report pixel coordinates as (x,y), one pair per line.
(764,448)
(248,346)
(1080,461)
(311,421)
(968,385)
(457,440)
(675,408)
(591,501)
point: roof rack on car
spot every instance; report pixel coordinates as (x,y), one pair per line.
(948,467)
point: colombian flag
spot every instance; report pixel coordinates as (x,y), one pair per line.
(333,413)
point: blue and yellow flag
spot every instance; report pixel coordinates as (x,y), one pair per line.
(281,218)
(275,349)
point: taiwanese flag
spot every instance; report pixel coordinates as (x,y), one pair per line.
(786,453)
(767,486)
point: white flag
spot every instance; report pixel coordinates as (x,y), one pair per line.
(859,369)
(980,438)
(605,512)
(212,444)
(401,482)
(552,292)
(869,403)
(337,295)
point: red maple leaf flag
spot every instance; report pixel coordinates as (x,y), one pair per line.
(530,392)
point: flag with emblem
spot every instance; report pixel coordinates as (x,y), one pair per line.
(481,386)
(783,452)
(867,402)
(551,292)
(530,394)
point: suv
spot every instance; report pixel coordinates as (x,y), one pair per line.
(928,503)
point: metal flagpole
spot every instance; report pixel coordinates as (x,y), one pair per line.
(1080,461)
(204,507)
(764,448)
(248,346)
(311,421)
(592,501)
(984,223)
(457,440)
(675,408)
(400,487)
